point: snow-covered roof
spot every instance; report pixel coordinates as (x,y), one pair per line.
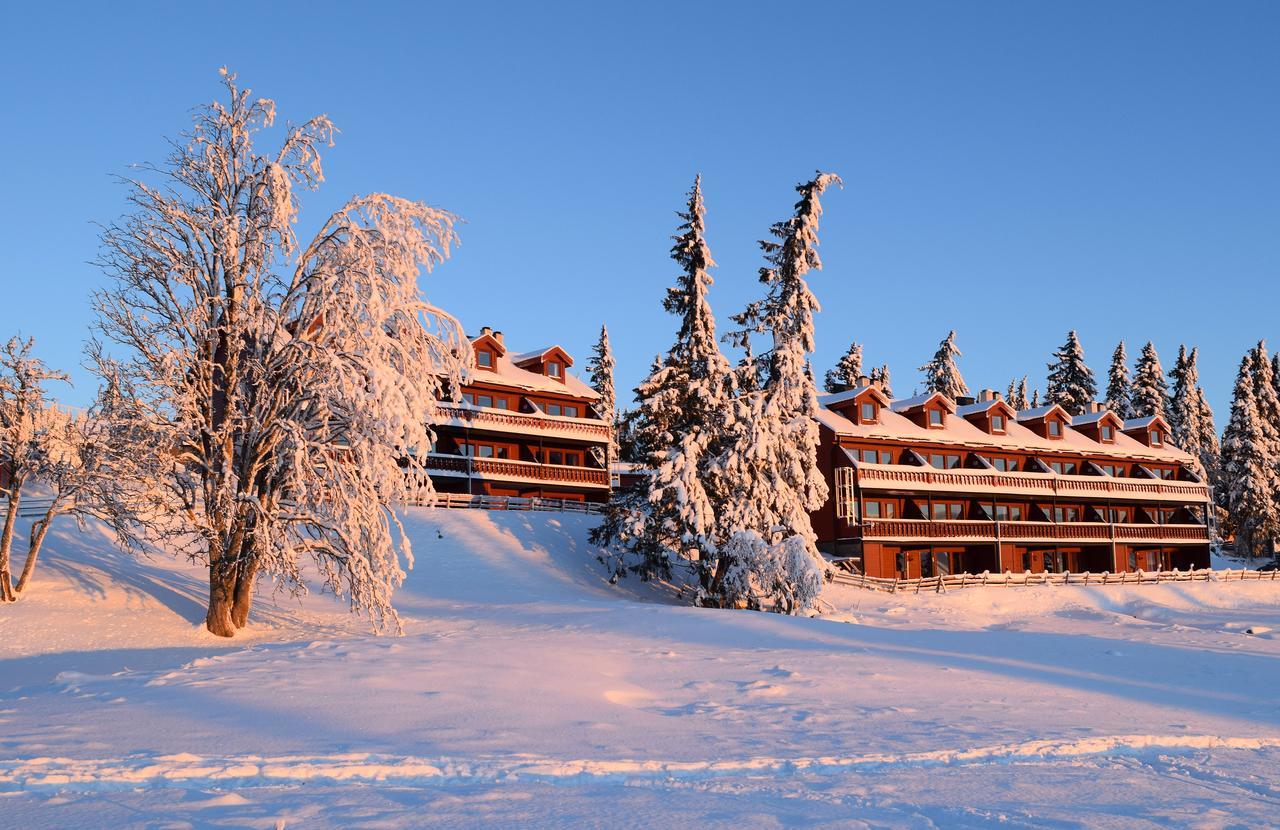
(506,372)
(1036,413)
(904,404)
(837,398)
(980,406)
(1142,423)
(537,354)
(1090,418)
(893,426)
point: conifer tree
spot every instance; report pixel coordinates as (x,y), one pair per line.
(1017,394)
(669,517)
(1150,392)
(1184,411)
(1035,398)
(1206,443)
(1248,470)
(769,468)
(941,374)
(846,372)
(881,377)
(600,371)
(1119,387)
(1071,384)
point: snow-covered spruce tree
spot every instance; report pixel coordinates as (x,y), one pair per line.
(880,376)
(1248,471)
(1035,398)
(288,385)
(768,472)
(600,371)
(1203,440)
(941,374)
(844,375)
(1150,392)
(1119,387)
(669,517)
(1070,383)
(1268,400)
(1017,394)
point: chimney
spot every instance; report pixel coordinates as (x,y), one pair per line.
(985,395)
(497,335)
(863,380)
(999,396)
(485,330)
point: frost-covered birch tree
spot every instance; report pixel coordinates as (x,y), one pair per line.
(1150,394)
(1119,386)
(844,375)
(769,468)
(941,374)
(1070,382)
(286,384)
(600,372)
(669,517)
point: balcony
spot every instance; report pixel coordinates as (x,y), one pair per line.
(519,471)
(913,530)
(521,423)
(994,482)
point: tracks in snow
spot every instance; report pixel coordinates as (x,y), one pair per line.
(196,771)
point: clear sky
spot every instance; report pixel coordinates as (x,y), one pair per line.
(1012,169)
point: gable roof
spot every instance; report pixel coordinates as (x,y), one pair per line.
(506,371)
(908,404)
(540,354)
(1041,412)
(837,398)
(983,406)
(1143,423)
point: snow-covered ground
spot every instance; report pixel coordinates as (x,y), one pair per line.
(528,692)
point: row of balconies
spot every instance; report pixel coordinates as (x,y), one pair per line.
(989,531)
(882,477)
(519,471)
(502,420)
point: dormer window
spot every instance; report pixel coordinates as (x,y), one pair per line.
(1055,428)
(997,424)
(553,369)
(484,359)
(1155,437)
(868,413)
(935,417)
(1107,433)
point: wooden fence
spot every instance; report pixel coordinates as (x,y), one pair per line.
(462,501)
(942,584)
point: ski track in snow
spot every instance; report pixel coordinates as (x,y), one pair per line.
(196,771)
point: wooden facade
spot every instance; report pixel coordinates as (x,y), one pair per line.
(927,486)
(525,427)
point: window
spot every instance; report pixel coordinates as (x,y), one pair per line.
(466,449)
(1008,513)
(997,423)
(1116,515)
(1108,434)
(942,563)
(875,456)
(484,451)
(900,564)
(944,461)
(868,413)
(926,565)
(553,369)
(468,397)
(935,417)
(1066,514)
(501,452)
(484,358)
(1004,465)
(1064,468)
(1155,437)
(554,409)
(500,403)
(1133,561)
(947,510)
(555,457)
(1055,428)
(871,510)
(571,412)
(571,459)
(484,400)
(879,509)
(1026,562)
(1053,562)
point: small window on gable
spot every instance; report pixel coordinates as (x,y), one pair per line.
(571,411)
(997,423)
(1108,434)
(935,417)
(1155,437)
(868,415)
(484,358)
(1055,428)
(553,369)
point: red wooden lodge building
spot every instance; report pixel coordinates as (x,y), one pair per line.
(926,486)
(525,428)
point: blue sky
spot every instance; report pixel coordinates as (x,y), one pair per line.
(1012,169)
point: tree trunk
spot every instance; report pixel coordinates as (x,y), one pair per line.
(38,530)
(222,582)
(6,542)
(243,594)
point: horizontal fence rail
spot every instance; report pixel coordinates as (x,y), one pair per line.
(881,477)
(520,470)
(462,501)
(943,583)
(989,531)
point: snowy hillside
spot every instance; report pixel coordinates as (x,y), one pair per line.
(528,691)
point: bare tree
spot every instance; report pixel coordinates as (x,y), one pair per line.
(285,389)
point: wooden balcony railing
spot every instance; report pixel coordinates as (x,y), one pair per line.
(519,470)
(882,477)
(923,529)
(478,417)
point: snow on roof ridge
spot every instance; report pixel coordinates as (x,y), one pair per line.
(841,397)
(1138,423)
(524,357)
